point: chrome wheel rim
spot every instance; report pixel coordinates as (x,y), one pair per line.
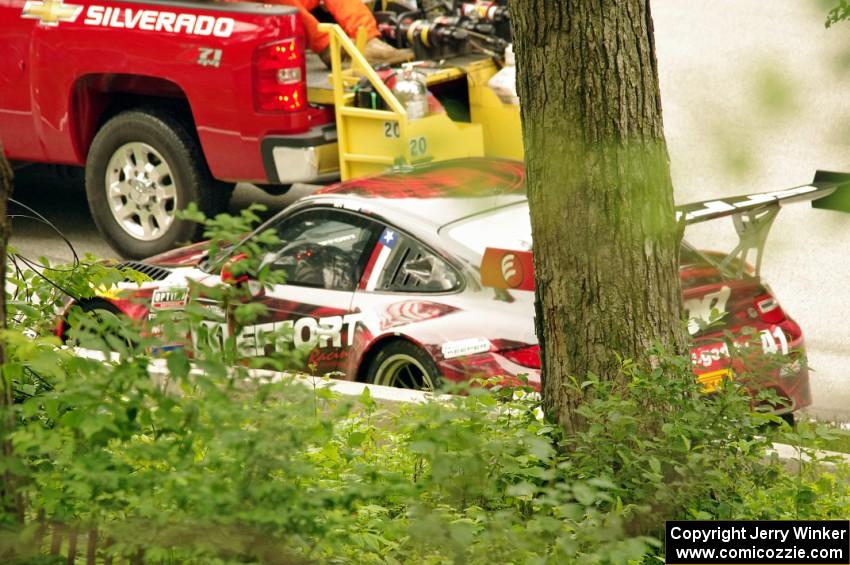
(403,371)
(141,191)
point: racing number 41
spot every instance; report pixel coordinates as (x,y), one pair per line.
(769,344)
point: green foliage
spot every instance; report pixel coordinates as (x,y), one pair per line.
(818,488)
(226,239)
(279,469)
(825,436)
(675,453)
(281,472)
(839,12)
(34,295)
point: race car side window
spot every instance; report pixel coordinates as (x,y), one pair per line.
(411,267)
(323,249)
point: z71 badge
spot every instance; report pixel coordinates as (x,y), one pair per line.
(209,57)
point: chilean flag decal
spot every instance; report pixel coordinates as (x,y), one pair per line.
(378,260)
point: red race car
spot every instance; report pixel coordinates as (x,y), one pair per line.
(407,278)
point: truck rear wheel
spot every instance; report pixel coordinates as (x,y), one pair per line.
(142,167)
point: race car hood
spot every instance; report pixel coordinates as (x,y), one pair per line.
(189,256)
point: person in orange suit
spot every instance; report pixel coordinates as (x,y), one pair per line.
(351,15)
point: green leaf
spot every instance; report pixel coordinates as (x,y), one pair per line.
(521,489)
(51,407)
(31,407)
(806,496)
(584,494)
(655,465)
(462,532)
(178,364)
(47,363)
(72,418)
(355,439)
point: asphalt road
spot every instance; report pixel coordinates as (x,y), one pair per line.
(753,96)
(62,201)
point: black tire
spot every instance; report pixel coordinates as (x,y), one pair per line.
(162,139)
(274,189)
(401,364)
(223,194)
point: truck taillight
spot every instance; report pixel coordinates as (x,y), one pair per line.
(279,84)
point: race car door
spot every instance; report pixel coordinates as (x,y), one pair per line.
(309,324)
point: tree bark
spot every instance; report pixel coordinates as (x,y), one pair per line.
(606,241)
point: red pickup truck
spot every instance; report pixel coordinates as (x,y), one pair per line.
(164,103)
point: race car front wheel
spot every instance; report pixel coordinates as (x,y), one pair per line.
(103,315)
(404,365)
(143,166)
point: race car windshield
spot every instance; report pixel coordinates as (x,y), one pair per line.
(504,228)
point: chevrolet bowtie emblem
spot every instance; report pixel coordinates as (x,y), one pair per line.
(51,12)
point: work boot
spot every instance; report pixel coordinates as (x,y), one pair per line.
(325,56)
(379,53)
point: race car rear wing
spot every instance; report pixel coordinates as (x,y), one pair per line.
(753,214)
(823,189)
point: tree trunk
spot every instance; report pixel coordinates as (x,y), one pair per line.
(606,242)
(10,499)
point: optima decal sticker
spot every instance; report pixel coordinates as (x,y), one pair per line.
(170,298)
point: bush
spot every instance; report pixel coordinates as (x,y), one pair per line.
(279,472)
(269,472)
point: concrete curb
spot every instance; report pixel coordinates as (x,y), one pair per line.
(794,458)
(383,394)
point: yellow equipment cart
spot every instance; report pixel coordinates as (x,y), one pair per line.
(371,141)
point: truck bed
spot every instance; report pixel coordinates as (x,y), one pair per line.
(320,90)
